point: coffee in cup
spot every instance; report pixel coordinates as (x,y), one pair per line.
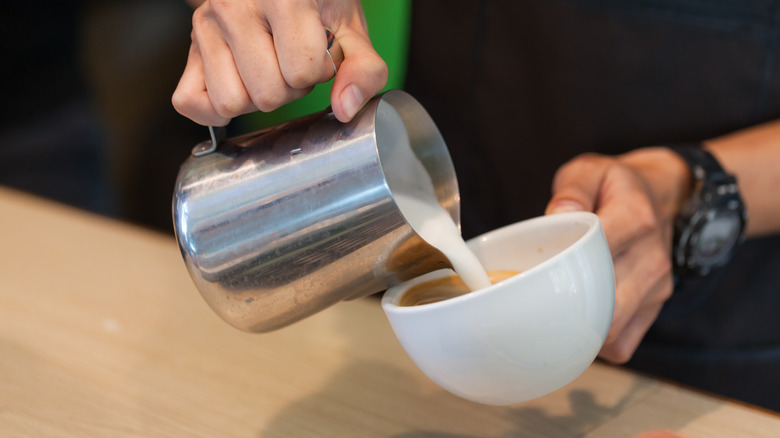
(445,288)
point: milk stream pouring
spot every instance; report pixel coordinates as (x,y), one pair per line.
(415,195)
(278,224)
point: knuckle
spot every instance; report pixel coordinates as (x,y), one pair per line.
(221,8)
(197,17)
(228,107)
(200,18)
(379,67)
(376,68)
(181,102)
(644,218)
(373,69)
(267,101)
(221,12)
(187,108)
(300,74)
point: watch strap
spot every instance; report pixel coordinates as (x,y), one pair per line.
(702,163)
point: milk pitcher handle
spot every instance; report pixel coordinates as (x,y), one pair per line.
(218,133)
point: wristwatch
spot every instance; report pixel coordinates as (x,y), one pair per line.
(712,222)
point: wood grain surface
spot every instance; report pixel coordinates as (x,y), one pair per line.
(102,334)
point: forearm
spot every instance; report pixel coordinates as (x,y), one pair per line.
(753,155)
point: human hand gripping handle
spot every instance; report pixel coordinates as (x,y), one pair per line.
(249,55)
(637,196)
(218,134)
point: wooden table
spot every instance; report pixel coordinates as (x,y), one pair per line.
(103,334)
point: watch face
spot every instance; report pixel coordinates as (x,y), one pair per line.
(717,237)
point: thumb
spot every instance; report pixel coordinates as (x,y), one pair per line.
(564,206)
(576,185)
(361,75)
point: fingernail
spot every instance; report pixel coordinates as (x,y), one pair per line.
(351,100)
(565,207)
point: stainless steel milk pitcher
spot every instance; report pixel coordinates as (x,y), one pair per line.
(281,223)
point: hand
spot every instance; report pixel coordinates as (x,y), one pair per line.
(637,196)
(249,55)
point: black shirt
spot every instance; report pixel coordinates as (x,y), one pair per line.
(519,88)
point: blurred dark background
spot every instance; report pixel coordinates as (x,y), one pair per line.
(87,118)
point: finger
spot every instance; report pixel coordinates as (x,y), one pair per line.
(576,184)
(362,74)
(224,84)
(191,98)
(626,212)
(334,51)
(255,58)
(623,347)
(301,44)
(643,277)
(643,280)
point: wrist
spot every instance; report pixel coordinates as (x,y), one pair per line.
(667,176)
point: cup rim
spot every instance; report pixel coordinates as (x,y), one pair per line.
(391,295)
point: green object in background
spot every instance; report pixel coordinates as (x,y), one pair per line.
(388,28)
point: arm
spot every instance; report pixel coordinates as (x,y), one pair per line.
(638,195)
(753,155)
(249,55)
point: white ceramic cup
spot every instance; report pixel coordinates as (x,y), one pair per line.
(528,335)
